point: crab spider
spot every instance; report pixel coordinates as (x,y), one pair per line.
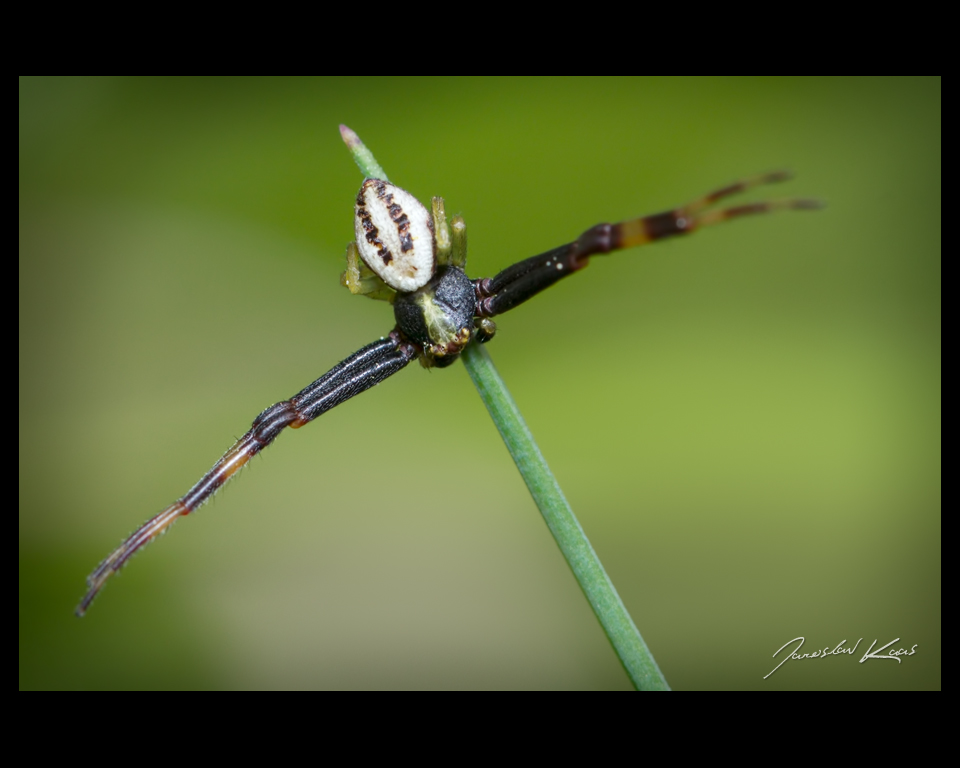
(414,258)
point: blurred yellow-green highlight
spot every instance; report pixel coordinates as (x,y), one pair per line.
(747,421)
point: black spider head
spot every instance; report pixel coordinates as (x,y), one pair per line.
(439,316)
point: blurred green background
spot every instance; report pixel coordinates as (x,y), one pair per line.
(747,421)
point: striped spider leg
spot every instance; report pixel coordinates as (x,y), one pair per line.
(527,278)
(362,370)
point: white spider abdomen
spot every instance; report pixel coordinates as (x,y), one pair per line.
(395,235)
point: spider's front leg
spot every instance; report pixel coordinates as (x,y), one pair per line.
(525,279)
(362,370)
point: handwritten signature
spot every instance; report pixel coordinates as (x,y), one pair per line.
(839,650)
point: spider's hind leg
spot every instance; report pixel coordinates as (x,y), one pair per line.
(451,237)
(360,280)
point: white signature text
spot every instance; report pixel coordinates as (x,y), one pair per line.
(839,650)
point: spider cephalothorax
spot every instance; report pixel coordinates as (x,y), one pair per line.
(439,316)
(414,259)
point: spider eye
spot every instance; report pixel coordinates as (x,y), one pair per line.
(395,235)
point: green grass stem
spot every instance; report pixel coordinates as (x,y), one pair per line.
(583,561)
(362,156)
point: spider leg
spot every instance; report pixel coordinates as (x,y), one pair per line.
(525,279)
(362,370)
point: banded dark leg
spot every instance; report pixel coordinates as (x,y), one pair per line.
(525,279)
(362,370)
